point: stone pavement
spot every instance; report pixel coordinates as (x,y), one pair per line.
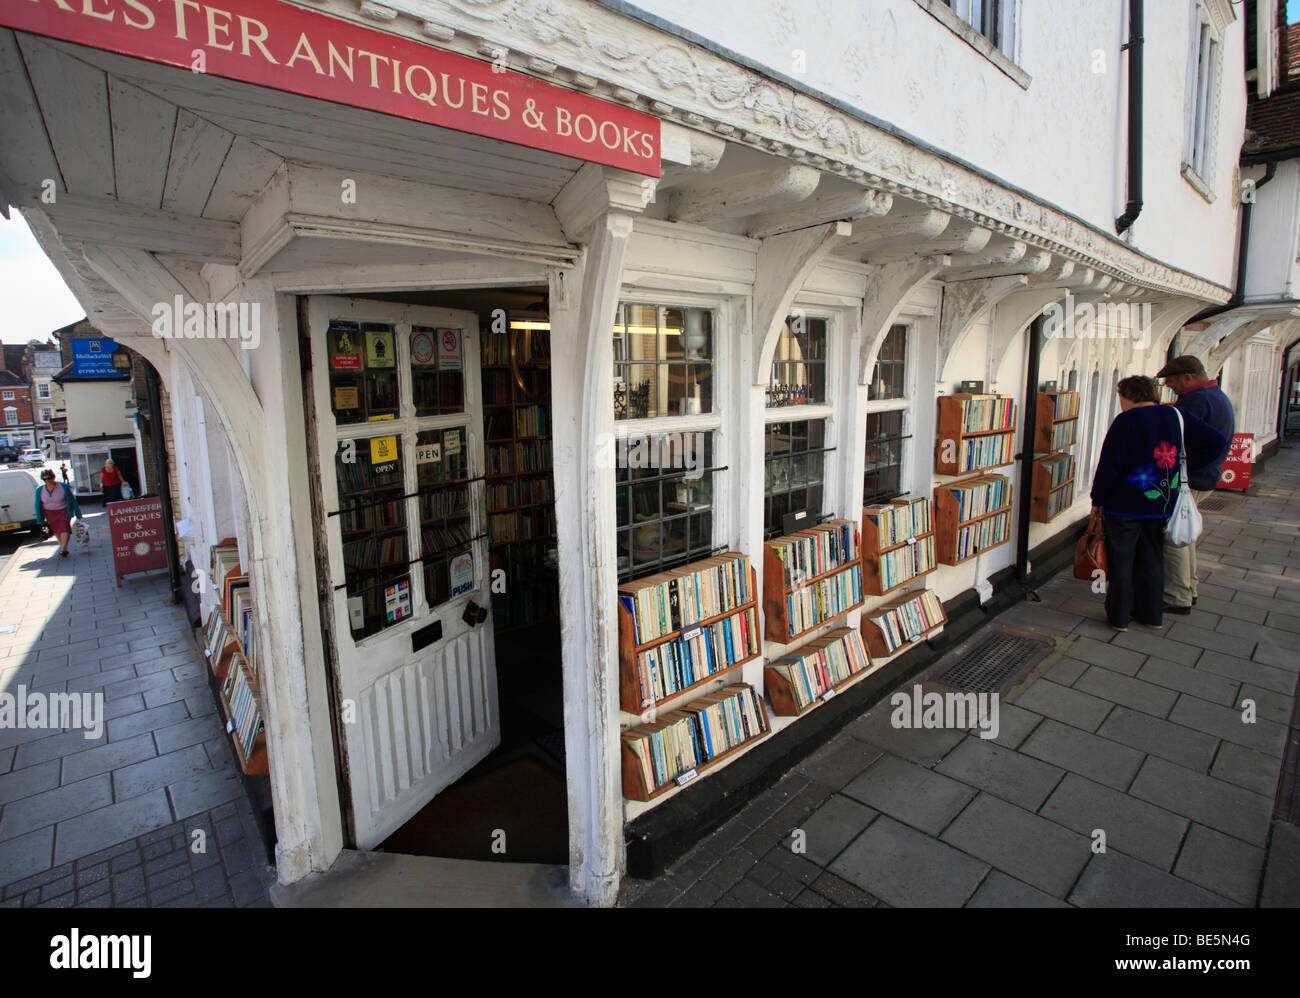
(84,820)
(1139,734)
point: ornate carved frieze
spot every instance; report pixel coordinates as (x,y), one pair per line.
(614,56)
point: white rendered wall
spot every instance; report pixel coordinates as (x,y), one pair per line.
(1062,139)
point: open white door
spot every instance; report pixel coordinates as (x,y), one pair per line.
(399,418)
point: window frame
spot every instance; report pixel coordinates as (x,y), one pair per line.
(903,404)
(1202,101)
(726,315)
(810,412)
(43,386)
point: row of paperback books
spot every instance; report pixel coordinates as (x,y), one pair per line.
(533,456)
(358,476)
(1065,405)
(987,452)
(448,537)
(818,549)
(537,523)
(1058,500)
(900,519)
(981,495)
(903,624)
(906,562)
(686,738)
(520,492)
(667,602)
(986,412)
(1064,434)
(438,504)
(1060,469)
(983,535)
(823,664)
(240,691)
(533,421)
(369,516)
(813,604)
(373,552)
(696,654)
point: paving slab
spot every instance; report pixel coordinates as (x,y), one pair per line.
(1002,772)
(1077,751)
(1124,689)
(1082,710)
(833,826)
(1229,723)
(1030,848)
(1204,799)
(924,745)
(1114,880)
(908,869)
(1187,679)
(1001,891)
(1132,826)
(1247,768)
(1222,864)
(1111,656)
(1245,671)
(910,793)
(835,763)
(1185,746)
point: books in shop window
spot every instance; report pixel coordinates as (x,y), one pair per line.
(691,736)
(822,665)
(663,603)
(817,550)
(698,653)
(909,620)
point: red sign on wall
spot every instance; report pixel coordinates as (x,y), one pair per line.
(284,47)
(1235,473)
(135,529)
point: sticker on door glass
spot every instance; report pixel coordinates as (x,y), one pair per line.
(383,449)
(449,350)
(379,348)
(397,601)
(423,346)
(428,453)
(345,352)
(461,571)
(451,442)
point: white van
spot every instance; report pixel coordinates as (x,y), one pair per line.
(18,500)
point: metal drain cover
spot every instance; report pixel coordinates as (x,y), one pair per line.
(989,664)
(1220,504)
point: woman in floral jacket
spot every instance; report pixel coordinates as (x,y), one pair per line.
(1135,485)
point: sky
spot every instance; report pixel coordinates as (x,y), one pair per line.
(1292,11)
(37,302)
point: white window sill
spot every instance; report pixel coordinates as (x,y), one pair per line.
(1200,186)
(944,15)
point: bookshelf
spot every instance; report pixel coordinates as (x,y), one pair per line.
(902,623)
(805,678)
(683,628)
(974,433)
(685,743)
(229,646)
(809,578)
(1056,430)
(972,516)
(897,544)
(520,485)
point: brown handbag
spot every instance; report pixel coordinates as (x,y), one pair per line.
(1090,554)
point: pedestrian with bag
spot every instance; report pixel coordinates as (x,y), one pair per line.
(1201,397)
(110,480)
(1139,477)
(56,507)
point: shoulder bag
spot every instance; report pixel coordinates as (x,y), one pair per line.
(1090,553)
(1184,524)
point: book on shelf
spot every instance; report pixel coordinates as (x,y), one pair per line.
(983,534)
(981,495)
(694,734)
(374,552)
(668,601)
(818,549)
(822,665)
(900,519)
(1058,500)
(1065,405)
(696,654)
(533,421)
(908,620)
(500,459)
(532,455)
(907,562)
(981,413)
(1059,469)
(986,452)
(1064,434)
(241,694)
(823,600)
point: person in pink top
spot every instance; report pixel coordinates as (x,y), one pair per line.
(56,506)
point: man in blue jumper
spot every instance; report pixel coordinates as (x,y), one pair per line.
(1202,397)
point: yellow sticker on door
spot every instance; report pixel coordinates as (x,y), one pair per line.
(383,449)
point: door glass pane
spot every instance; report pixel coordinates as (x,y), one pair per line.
(372,518)
(362,361)
(446,530)
(437,370)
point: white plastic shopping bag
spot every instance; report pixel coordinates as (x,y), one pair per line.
(80,536)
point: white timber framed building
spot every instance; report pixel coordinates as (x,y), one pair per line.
(911,177)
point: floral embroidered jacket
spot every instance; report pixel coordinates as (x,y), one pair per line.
(1137,473)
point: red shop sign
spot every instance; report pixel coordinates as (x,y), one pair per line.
(135,529)
(284,47)
(1235,473)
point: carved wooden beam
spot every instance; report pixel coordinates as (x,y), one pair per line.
(744,194)
(821,208)
(965,301)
